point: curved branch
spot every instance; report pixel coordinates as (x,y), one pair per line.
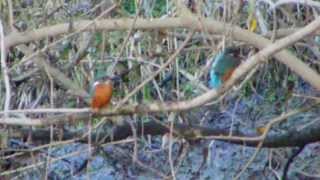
(212,26)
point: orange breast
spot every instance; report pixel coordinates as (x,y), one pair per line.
(227,75)
(102,96)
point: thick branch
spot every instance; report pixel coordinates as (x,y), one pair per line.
(290,138)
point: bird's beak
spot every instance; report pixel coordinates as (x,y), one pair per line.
(115,79)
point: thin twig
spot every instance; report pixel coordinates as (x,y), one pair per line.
(171,119)
(127,37)
(5,73)
(26,59)
(11,21)
(290,160)
(172,57)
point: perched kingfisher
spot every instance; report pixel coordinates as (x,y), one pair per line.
(101,94)
(222,67)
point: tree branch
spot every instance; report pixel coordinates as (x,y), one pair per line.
(212,26)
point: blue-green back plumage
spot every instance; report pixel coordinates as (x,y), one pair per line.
(221,65)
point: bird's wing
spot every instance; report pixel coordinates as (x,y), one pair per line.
(225,64)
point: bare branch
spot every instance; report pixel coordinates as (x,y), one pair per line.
(5,71)
(212,26)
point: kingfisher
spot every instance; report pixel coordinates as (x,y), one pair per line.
(101,94)
(222,67)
